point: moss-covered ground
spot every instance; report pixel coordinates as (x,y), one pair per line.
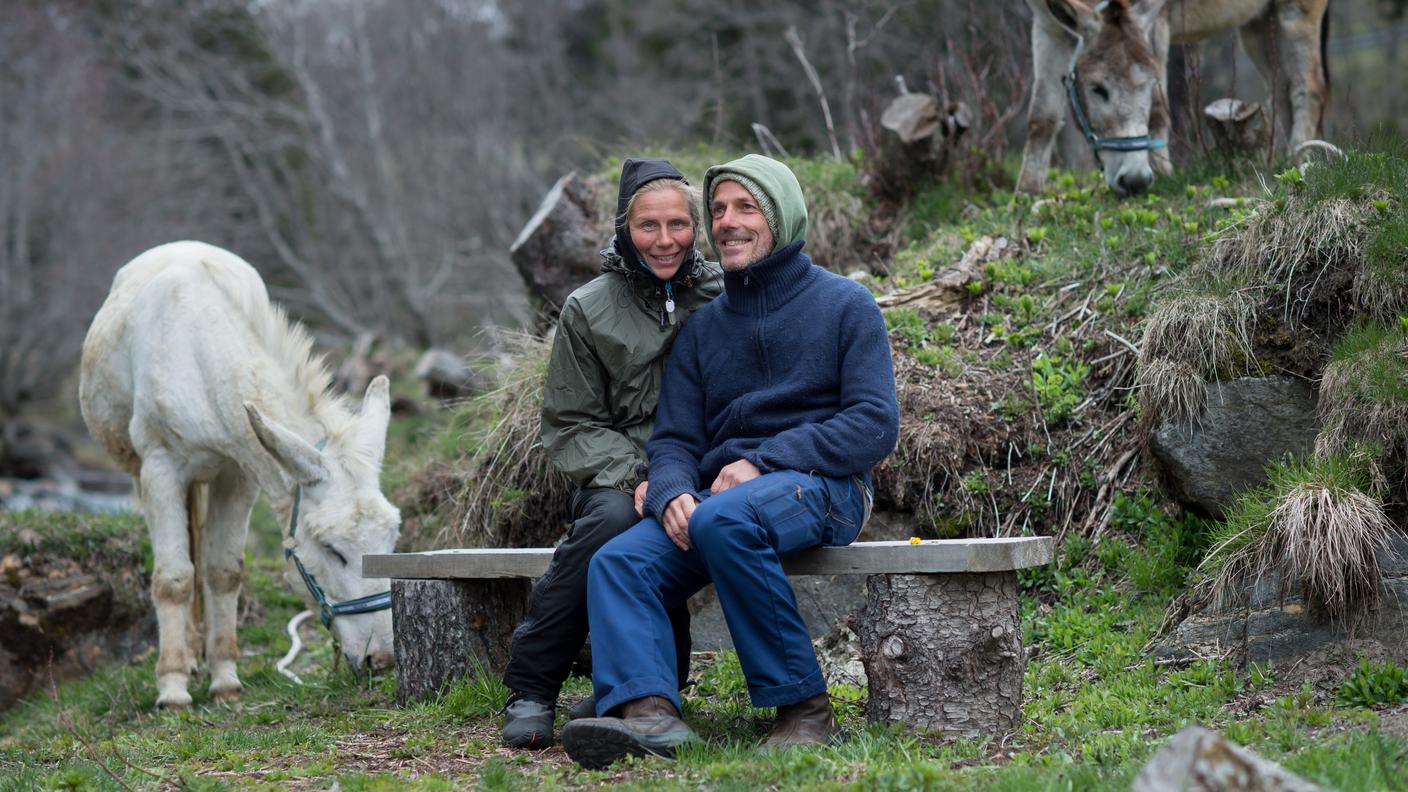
(1054,323)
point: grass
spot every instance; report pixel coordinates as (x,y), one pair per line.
(1364,389)
(1096,708)
(1015,407)
(1312,525)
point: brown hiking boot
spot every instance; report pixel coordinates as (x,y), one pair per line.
(648,726)
(809,722)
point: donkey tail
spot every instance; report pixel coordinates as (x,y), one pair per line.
(197,501)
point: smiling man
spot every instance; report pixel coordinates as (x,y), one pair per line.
(778,399)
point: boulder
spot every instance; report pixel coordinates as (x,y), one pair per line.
(446,376)
(1271,623)
(1198,760)
(1247,423)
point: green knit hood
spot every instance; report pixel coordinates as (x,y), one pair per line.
(780,184)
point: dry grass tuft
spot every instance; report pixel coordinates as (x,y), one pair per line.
(1171,390)
(1364,391)
(511,495)
(1190,340)
(1313,526)
(1208,333)
(1312,251)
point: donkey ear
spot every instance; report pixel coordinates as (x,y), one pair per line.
(296,455)
(1073,15)
(376,415)
(1145,12)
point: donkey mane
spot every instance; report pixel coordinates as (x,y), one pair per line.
(290,350)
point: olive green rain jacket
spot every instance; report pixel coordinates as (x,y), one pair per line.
(607,361)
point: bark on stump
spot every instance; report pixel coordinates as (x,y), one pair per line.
(448,629)
(943,653)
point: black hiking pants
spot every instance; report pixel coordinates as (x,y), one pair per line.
(552,634)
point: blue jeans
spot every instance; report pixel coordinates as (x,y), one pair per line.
(739,538)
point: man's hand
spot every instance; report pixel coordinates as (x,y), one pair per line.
(676,520)
(640,498)
(733,474)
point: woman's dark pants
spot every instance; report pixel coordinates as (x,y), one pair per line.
(546,644)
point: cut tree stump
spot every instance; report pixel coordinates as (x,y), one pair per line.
(943,653)
(451,629)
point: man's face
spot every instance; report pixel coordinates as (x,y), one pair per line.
(740,229)
(662,230)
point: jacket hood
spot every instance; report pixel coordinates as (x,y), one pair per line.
(635,174)
(781,186)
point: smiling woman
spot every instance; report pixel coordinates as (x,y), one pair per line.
(602,385)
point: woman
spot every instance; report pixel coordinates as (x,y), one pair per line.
(603,381)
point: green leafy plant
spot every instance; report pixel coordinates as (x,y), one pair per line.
(1059,386)
(1374,684)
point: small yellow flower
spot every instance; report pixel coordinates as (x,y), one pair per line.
(915,540)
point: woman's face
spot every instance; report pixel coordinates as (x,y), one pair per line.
(661,230)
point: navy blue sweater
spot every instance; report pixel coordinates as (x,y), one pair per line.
(789,369)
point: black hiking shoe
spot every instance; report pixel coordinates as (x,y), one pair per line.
(527,724)
(586,708)
(648,727)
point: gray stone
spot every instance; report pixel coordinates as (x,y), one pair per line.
(1198,759)
(1271,622)
(1275,635)
(1247,423)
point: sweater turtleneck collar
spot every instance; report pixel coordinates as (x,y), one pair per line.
(770,283)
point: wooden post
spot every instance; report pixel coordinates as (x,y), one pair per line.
(448,629)
(943,653)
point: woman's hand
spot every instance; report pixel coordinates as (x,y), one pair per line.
(640,498)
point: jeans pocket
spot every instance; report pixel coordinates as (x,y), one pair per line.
(843,512)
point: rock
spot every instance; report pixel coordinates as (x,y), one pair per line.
(1247,423)
(1198,760)
(446,376)
(1271,623)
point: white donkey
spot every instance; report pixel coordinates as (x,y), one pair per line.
(206,394)
(1105,65)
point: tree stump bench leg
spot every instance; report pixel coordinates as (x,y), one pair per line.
(943,653)
(448,629)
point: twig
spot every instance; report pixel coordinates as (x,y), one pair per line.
(93,753)
(1122,340)
(795,41)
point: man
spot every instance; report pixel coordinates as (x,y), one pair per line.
(778,399)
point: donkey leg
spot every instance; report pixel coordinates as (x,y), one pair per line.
(1302,68)
(1260,42)
(232,497)
(163,493)
(1051,55)
(1160,113)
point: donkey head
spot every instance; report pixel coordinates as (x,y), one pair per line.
(1117,81)
(342,517)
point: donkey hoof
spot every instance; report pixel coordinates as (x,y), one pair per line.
(174,700)
(171,692)
(226,695)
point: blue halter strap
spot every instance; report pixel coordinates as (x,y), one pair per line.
(327,611)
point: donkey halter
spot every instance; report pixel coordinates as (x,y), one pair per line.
(328,610)
(1072,82)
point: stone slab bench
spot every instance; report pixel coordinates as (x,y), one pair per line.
(940,631)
